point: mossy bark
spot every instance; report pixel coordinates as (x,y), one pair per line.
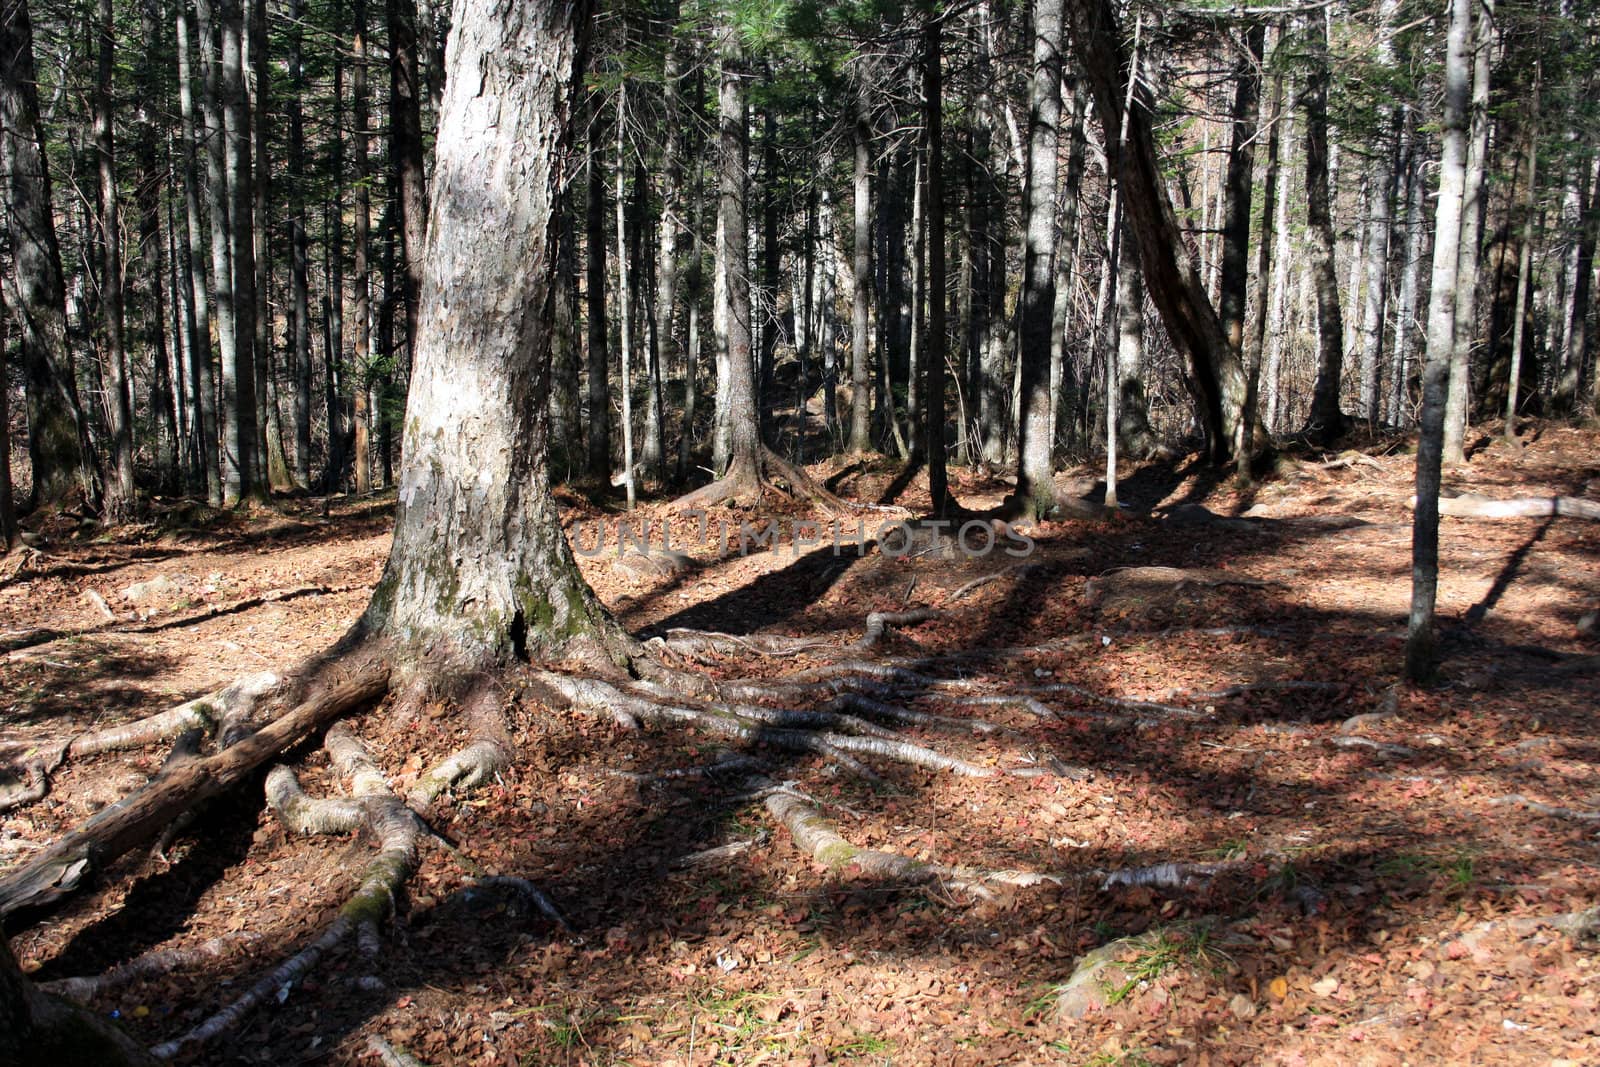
(480,571)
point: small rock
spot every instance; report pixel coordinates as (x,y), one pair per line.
(158,588)
(1243,1007)
(1589,625)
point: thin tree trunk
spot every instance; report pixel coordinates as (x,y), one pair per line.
(197,320)
(1524,263)
(1277,324)
(241,213)
(1326,422)
(361,308)
(9,533)
(147,197)
(1565,399)
(1411,272)
(1380,225)
(624,300)
(933,391)
(1067,251)
(598,363)
(299,265)
(1234,274)
(121,499)
(406,155)
(1420,641)
(668,227)
(1458,401)
(1035,461)
(1255,341)
(860,412)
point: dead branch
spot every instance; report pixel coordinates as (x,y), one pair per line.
(66,865)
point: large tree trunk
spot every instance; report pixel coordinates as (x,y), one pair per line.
(40,1029)
(670,224)
(1035,464)
(1420,644)
(64,467)
(480,571)
(1171,276)
(1327,419)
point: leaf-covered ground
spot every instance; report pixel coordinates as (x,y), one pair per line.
(1350,890)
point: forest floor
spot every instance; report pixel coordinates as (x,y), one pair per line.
(1372,891)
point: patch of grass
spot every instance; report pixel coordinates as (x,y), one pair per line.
(1233,849)
(1128,1057)
(1165,949)
(861,1045)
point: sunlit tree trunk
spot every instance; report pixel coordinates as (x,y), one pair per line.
(598,364)
(1458,401)
(197,317)
(1420,641)
(934,374)
(121,497)
(860,412)
(1327,419)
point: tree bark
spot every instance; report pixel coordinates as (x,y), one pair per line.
(1255,341)
(37,1028)
(1035,461)
(1234,275)
(64,467)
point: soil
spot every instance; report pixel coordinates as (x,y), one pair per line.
(1368,892)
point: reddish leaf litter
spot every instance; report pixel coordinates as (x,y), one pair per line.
(1393,888)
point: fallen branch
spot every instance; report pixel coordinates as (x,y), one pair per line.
(66,865)
(206,713)
(1473,506)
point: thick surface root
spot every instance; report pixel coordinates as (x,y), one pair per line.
(233,702)
(814,835)
(150,965)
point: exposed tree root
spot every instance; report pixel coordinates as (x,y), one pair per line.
(484,757)
(793,731)
(34,789)
(150,965)
(1548,809)
(879,621)
(813,834)
(750,478)
(1164,875)
(702,645)
(390,1056)
(1472,506)
(66,865)
(235,702)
